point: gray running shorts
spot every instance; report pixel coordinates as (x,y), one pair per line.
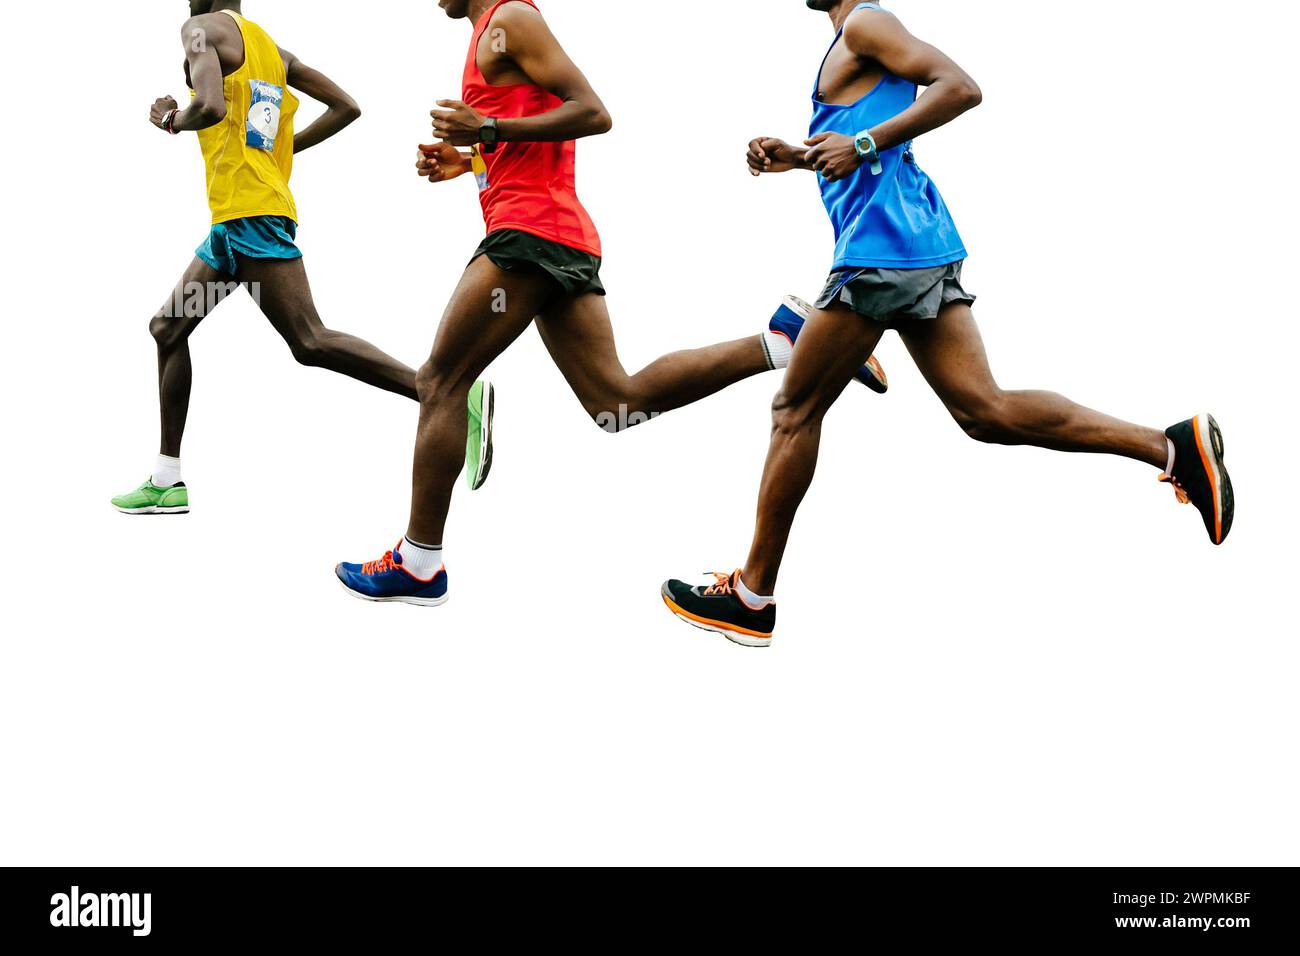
(889,294)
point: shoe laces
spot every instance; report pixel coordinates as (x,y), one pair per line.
(721,585)
(1179,491)
(384,564)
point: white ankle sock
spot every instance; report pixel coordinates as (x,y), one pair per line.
(166,472)
(753,601)
(1169,465)
(778,349)
(420,560)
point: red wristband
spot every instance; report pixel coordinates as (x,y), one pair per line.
(169,121)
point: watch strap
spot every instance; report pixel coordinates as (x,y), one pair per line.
(488,135)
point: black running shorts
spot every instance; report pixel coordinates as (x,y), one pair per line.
(577,272)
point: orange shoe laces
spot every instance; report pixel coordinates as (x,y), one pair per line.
(1179,492)
(386,563)
(722,584)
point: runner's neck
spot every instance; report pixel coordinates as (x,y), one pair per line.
(477,8)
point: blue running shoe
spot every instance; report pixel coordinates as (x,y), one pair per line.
(789,320)
(387,580)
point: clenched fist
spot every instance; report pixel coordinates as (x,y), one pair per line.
(161,107)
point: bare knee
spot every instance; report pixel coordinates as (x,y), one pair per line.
(167,332)
(430,381)
(616,408)
(987,419)
(436,381)
(158,328)
(606,418)
(618,419)
(310,350)
(792,414)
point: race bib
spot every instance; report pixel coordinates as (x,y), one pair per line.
(264,114)
(479,166)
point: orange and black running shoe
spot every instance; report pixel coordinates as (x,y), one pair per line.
(1199,475)
(718,608)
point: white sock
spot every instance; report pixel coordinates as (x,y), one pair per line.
(1169,466)
(753,601)
(420,560)
(166,472)
(778,349)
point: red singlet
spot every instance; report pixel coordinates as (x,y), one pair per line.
(525,186)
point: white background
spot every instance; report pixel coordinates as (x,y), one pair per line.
(984,655)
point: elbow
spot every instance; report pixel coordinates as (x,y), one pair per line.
(971,94)
(350,111)
(210,114)
(600,121)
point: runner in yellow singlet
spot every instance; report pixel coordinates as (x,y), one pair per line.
(243,107)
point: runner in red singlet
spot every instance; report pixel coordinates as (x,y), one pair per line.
(527,186)
(523,105)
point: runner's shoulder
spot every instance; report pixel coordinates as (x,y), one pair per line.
(199,31)
(516,13)
(866,23)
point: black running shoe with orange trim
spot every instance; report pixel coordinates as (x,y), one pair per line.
(718,608)
(1199,475)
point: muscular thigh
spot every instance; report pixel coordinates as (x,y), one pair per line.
(200,290)
(949,352)
(488,311)
(833,345)
(281,290)
(580,337)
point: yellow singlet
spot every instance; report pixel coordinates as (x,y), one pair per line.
(249,154)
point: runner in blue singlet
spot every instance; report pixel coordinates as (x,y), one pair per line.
(897,265)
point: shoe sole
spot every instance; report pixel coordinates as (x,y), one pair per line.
(420,602)
(742,638)
(485,437)
(877,380)
(1209,443)
(153,511)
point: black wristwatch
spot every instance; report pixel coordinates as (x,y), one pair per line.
(488,135)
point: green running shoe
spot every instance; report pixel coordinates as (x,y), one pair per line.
(478,446)
(149,499)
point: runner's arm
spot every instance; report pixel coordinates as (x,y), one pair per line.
(536,52)
(880,37)
(208,107)
(949,90)
(341,110)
